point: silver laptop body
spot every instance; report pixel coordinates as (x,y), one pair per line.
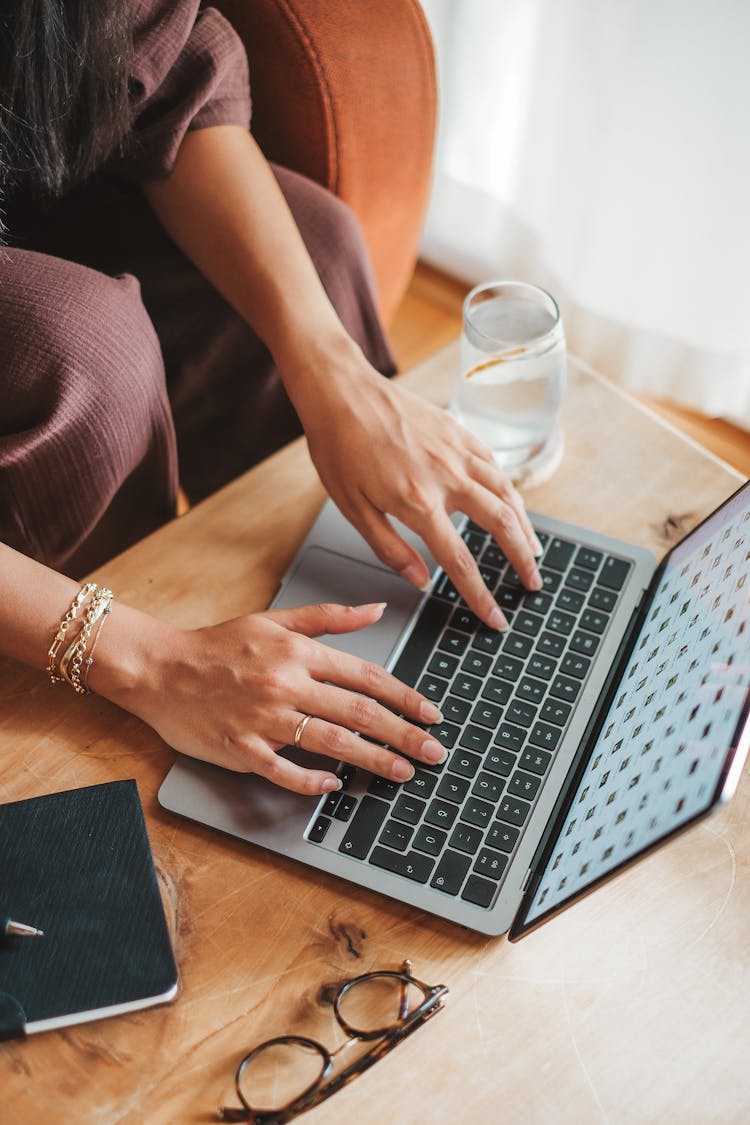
(334,564)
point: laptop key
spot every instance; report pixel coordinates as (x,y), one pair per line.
(477,812)
(455,710)
(486,642)
(317,833)
(599,598)
(453,788)
(555,711)
(450,872)
(558,554)
(560,622)
(508,667)
(579,579)
(575,665)
(488,787)
(487,715)
(528,623)
(490,863)
(541,666)
(364,827)
(499,761)
(345,807)
(535,760)
(464,620)
(447,591)
(479,891)
(524,785)
(396,835)
(489,576)
(432,687)
(513,810)
(408,809)
(614,572)
(511,738)
(517,645)
(550,580)
(477,663)
(545,736)
(453,641)
(443,664)
(569,600)
(497,691)
(551,644)
(441,814)
(422,784)
(585,643)
(446,734)
(382,787)
(521,713)
(429,840)
(474,541)
(502,836)
(475,738)
(411,865)
(531,690)
(464,763)
(493,556)
(537,601)
(588,558)
(565,688)
(466,839)
(466,686)
(507,597)
(593,621)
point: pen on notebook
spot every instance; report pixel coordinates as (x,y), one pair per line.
(9,928)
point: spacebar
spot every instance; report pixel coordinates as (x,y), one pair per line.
(364,827)
(427,629)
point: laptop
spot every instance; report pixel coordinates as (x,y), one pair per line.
(614,713)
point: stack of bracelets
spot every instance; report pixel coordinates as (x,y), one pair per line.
(89,607)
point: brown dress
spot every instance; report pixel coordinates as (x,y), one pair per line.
(123,370)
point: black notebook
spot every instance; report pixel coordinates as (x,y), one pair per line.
(78,866)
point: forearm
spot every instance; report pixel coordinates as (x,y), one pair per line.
(223,207)
(34,599)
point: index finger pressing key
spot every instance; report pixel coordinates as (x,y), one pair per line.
(459,564)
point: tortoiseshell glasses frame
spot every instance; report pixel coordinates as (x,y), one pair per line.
(384,1039)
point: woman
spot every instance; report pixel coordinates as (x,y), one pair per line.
(167,302)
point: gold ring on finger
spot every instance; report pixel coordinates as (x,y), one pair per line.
(301,730)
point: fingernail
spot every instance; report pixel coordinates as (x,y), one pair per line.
(496,620)
(429,713)
(433,752)
(402,771)
(331,784)
(414,573)
(380,606)
(538,548)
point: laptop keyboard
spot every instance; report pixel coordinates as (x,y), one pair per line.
(506,701)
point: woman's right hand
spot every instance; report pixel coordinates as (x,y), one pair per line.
(235,693)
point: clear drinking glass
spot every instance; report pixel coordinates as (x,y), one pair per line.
(510,385)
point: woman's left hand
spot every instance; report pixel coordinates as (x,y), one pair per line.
(382,451)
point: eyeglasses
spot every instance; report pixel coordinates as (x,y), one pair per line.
(283,1077)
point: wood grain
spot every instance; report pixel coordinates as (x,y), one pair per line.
(631,1007)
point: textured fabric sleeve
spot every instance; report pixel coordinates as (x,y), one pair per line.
(189,71)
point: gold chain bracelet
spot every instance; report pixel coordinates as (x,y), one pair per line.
(57,641)
(72,659)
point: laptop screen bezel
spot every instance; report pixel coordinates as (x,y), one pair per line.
(734,760)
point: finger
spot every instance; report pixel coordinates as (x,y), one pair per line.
(363,676)
(495,481)
(323,737)
(316,620)
(501,520)
(366,716)
(388,545)
(458,563)
(299,779)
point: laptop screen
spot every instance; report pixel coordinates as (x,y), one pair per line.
(677,720)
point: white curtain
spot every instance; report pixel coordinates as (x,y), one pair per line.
(602,148)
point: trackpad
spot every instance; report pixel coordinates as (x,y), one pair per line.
(325,576)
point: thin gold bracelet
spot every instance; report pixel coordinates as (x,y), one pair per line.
(72,659)
(57,641)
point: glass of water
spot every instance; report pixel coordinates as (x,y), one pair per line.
(510,386)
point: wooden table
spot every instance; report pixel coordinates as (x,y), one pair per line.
(631,1007)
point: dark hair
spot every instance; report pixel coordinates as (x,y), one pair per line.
(63,89)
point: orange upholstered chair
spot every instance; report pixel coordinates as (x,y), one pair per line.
(344,91)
